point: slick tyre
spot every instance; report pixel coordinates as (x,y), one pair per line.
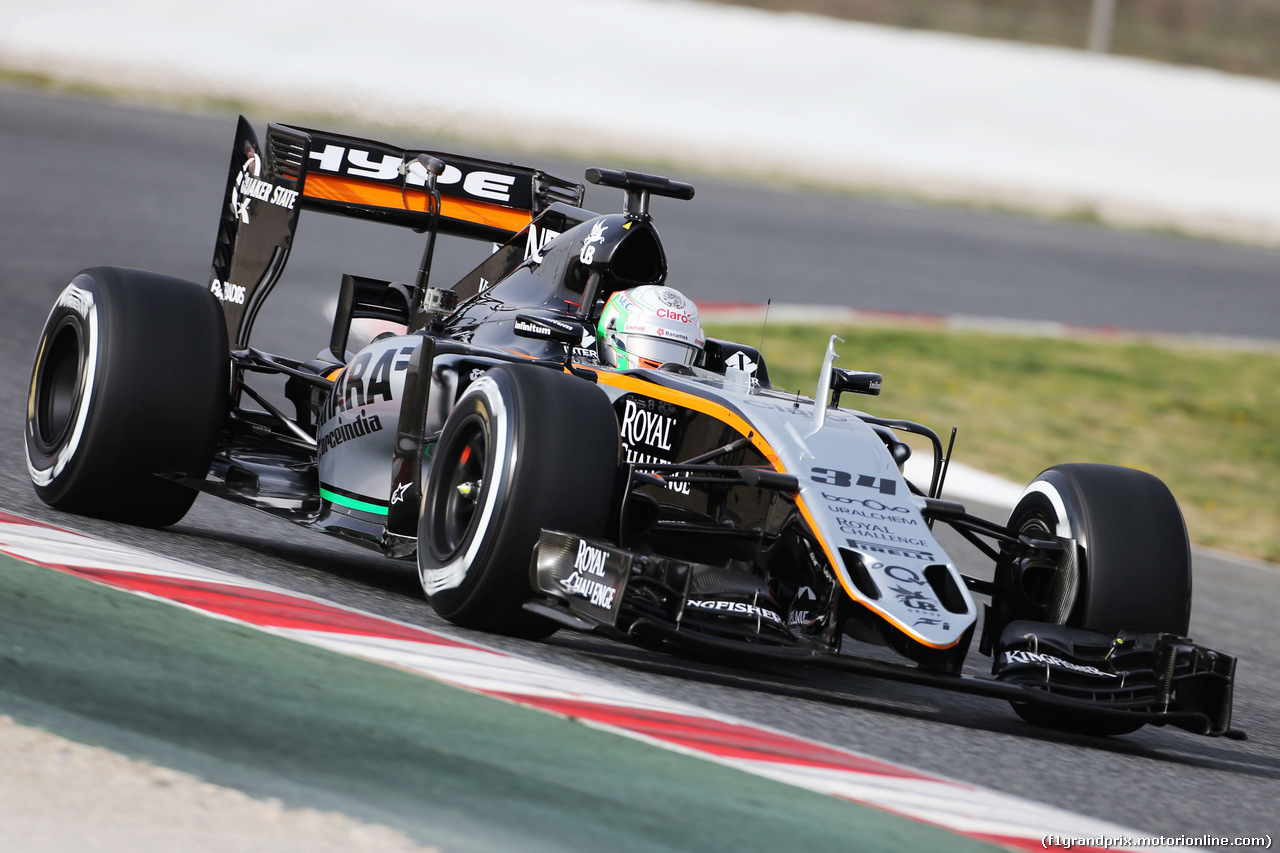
(1134,562)
(130,381)
(525,448)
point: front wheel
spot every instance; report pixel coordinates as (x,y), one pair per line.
(1131,569)
(525,448)
(130,381)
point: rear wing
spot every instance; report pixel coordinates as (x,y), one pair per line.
(302,169)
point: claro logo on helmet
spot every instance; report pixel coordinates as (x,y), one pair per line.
(669,314)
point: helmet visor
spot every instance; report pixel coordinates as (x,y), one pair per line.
(659,350)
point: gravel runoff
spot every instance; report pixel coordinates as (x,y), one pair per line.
(57,795)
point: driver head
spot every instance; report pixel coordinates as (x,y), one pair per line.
(649,326)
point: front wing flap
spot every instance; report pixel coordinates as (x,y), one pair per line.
(1125,671)
(595,586)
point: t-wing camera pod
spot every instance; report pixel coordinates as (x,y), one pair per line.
(638,187)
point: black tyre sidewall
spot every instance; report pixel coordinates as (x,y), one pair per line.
(559,472)
(451,579)
(153,402)
(1134,553)
(1135,563)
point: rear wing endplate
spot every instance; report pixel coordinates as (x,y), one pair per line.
(299,168)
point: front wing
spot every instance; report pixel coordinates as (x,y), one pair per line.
(1157,679)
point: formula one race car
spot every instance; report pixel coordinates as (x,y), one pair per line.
(560,448)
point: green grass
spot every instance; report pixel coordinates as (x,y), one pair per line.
(1206,421)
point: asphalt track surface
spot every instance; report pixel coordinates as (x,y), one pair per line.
(91,183)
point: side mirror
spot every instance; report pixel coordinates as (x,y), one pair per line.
(854,381)
(568,332)
(571,333)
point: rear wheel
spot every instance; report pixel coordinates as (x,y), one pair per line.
(525,448)
(1133,569)
(130,381)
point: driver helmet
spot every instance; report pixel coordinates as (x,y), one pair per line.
(649,326)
